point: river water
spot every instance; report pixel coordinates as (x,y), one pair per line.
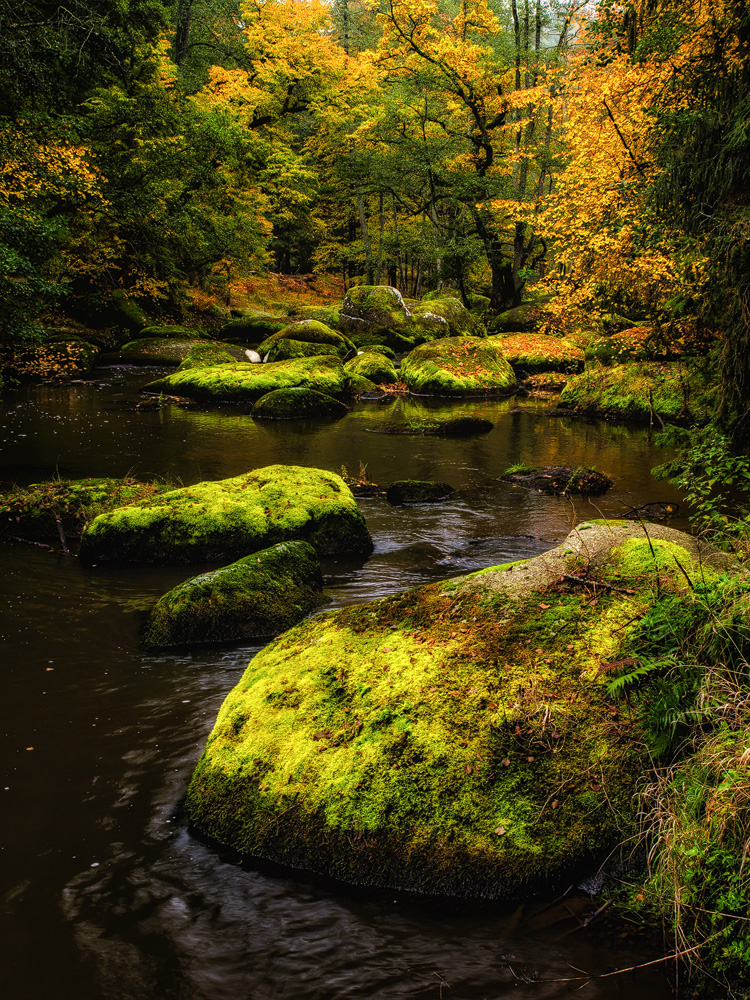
(104,894)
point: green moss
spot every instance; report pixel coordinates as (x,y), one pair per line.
(32,511)
(383,349)
(171,332)
(674,391)
(526,317)
(457,366)
(378,314)
(324,314)
(460,322)
(374,367)
(241,381)
(310,331)
(361,386)
(534,352)
(455,739)
(252,329)
(285,350)
(204,355)
(223,520)
(158,351)
(297,404)
(260,595)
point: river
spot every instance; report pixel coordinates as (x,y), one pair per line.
(104,894)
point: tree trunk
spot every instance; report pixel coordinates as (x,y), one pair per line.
(369,270)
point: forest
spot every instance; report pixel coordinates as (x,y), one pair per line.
(436,222)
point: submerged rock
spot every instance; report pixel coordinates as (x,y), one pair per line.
(457,366)
(457,739)
(559,479)
(246,382)
(640,391)
(451,427)
(535,352)
(375,367)
(416,491)
(297,404)
(32,512)
(258,596)
(214,521)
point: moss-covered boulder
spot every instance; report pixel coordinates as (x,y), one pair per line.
(640,391)
(50,361)
(297,404)
(171,332)
(247,382)
(404,491)
(534,352)
(285,350)
(375,367)
(258,596)
(253,328)
(310,331)
(460,322)
(217,521)
(32,512)
(204,355)
(324,314)
(457,366)
(637,343)
(383,349)
(377,314)
(158,351)
(436,426)
(457,739)
(525,317)
(363,388)
(559,479)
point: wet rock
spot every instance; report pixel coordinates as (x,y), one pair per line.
(163,351)
(457,366)
(456,317)
(405,491)
(218,521)
(451,427)
(297,404)
(318,338)
(386,743)
(375,367)
(252,328)
(559,479)
(205,355)
(52,361)
(258,596)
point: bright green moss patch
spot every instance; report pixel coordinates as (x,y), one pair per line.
(204,355)
(454,739)
(260,595)
(241,381)
(158,350)
(297,404)
(457,366)
(218,521)
(309,331)
(534,352)
(460,322)
(32,511)
(375,367)
(636,390)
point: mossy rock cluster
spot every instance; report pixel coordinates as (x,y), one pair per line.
(377,314)
(247,382)
(457,366)
(640,391)
(459,321)
(32,512)
(318,338)
(297,404)
(50,361)
(457,739)
(559,479)
(404,491)
(258,596)
(224,520)
(323,314)
(530,353)
(375,367)
(205,355)
(436,427)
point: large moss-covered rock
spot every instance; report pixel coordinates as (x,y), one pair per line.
(246,382)
(638,390)
(377,314)
(383,349)
(460,322)
(534,352)
(252,328)
(285,350)
(454,739)
(457,366)
(310,331)
(260,595)
(637,343)
(217,521)
(324,314)
(158,350)
(297,404)
(205,355)
(171,332)
(374,367)
(467,426)
(32,512)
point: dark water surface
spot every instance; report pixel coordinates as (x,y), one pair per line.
(104,894)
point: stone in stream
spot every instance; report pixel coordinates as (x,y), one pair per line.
(375,367)
(245,382)
(558,479)
(417,491)
(297,404)
(436,427)
(377,314)
(312,333)
(219,521)
(205,355)
(457,366)
(285,350)
(163,351)
(258,596)
(456,739)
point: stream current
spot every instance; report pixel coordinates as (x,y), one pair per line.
(104,895)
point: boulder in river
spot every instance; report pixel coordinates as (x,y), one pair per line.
(458,320)
(313,333)
(559,479)
(297,404)
(219,521)
(456,739)
(162,351)
(252,328)
(457,366)
(375,367)
(245,382)
(205,355)
(535,352)
(258,596)
(377,314)
(417,491)
(436,427)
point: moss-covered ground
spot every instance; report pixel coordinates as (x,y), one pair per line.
(458,738)
(219,521)
(457,366)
